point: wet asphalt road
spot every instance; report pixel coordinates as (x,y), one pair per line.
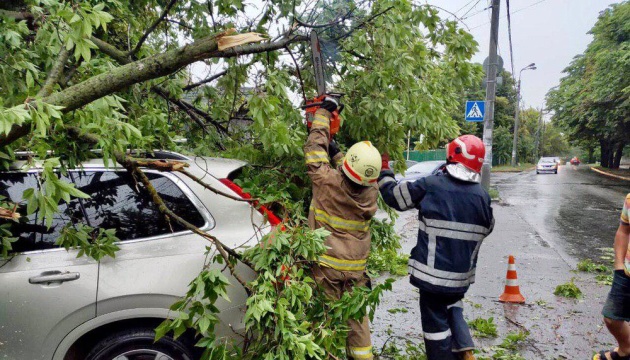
(549,222)
(577,208)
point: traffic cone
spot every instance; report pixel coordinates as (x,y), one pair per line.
(512,293)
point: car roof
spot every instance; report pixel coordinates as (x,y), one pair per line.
(217,167)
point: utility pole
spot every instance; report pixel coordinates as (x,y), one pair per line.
(491,88)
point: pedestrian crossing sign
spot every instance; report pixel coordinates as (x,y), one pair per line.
(475,110)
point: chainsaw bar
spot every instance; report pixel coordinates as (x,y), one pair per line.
(318,64)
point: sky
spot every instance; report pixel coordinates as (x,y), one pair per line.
(546,32)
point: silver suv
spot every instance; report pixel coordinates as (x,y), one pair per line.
(54,305)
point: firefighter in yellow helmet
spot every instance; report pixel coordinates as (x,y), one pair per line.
(344,201)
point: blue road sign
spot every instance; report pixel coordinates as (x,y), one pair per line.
(475,110)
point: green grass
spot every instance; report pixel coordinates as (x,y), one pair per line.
(568,290)
(483,327)
(508,168)
(494,193)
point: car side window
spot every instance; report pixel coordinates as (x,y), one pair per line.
(116,203)
(28,229)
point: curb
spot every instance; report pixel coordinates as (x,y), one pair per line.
(610,175)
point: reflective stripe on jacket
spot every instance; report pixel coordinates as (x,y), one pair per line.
(340,206)
(455,218)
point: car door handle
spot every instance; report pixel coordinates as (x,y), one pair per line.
(54,276)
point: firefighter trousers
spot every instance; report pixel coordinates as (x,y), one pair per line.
(446,333)
(334,283)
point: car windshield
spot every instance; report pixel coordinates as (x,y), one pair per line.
(547,161)
(424,167)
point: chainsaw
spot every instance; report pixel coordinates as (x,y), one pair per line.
(311,106)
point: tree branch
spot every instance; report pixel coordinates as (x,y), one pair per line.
(205,81)
(192,111)
(111,50)
(224,251)
(17,15)
(152,27)
(55,72)
(133,168)
(148,68)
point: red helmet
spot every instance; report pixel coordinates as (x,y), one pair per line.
(467,150)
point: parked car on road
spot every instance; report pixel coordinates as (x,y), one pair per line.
(420,170)
(547,164)
(408,163)
(56,306)
(575,161)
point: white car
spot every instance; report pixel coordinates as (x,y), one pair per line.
(547,165)
(56,306)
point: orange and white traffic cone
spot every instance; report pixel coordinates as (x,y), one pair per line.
(512,293)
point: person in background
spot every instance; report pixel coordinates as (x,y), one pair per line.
(616,310)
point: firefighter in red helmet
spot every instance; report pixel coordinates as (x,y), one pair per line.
(455,217)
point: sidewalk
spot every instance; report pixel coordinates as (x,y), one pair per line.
(559,327)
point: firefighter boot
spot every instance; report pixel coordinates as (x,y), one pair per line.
(467,355)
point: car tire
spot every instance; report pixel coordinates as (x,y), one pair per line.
(537,173)
(555,172)
(139,343)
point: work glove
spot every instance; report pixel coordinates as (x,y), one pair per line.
(333,149)
(385,161)
(331,103)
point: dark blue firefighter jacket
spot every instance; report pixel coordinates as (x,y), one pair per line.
(455,217)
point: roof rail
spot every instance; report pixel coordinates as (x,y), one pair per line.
(157,154)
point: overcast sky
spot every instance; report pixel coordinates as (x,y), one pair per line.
(548,32)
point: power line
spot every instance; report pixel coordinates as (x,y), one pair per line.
(510,37)
(514,12)
(460,9)
(472,7)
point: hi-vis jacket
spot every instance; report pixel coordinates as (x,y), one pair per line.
(339,206)
(455,217)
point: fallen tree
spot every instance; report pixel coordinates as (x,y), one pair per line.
(74,79)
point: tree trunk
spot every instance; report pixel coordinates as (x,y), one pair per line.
(618,154)
(606,150)
(590,159)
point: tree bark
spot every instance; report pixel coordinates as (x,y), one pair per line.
(618,154)
(605,153)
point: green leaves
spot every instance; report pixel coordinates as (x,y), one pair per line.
(6,240)
(95,243)
(12,116)
(52,190)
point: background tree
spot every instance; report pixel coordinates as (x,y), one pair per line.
(592,102)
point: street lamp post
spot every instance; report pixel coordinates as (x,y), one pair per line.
(531,66)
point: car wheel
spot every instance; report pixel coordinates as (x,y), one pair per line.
(555,172)
(537,173)
(138,344)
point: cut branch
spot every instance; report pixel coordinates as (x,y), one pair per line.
(224,251)
(133,167)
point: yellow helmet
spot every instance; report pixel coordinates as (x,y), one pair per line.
(362,163)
